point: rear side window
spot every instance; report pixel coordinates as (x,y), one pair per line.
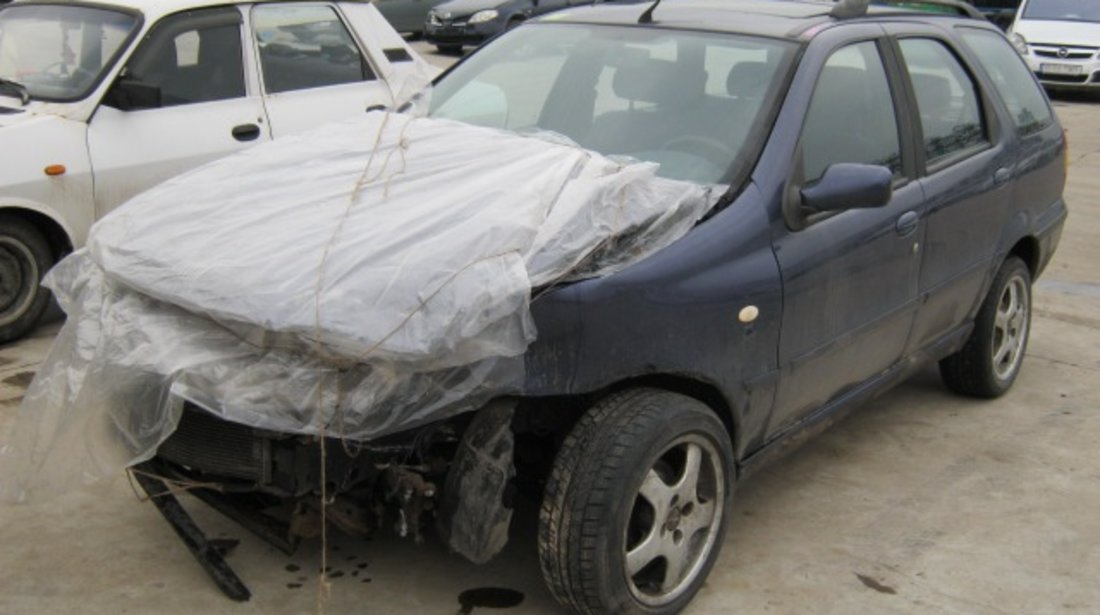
(851,116)
(1011,78)
(947,99)
(305,46)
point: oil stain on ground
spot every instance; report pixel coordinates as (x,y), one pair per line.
(875,585)
(488,597)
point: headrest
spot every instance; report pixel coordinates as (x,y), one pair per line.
(658,81)
(931,88)
(748,79)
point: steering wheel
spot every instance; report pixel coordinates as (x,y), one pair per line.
(700,145)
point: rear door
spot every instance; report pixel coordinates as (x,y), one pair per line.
(968,163)
(194,59)
(850,278)
(312,69)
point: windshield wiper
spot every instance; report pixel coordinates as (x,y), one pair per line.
(19,89)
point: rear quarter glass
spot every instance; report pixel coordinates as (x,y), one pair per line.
(1025,100)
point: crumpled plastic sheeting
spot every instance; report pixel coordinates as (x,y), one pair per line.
(358,280)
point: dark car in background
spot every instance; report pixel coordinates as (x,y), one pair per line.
(406,16)
(456,23)
(891,184)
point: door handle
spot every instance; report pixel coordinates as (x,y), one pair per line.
(1001,176)
(907,223)
(246,132)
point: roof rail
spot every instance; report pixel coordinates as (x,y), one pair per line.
(848,9)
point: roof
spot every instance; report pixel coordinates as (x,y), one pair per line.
(778,18)
(151,9)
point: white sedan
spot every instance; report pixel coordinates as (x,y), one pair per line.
(99,101)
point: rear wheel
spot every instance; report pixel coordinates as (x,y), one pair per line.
(990,361)
(635,508)
(25,257)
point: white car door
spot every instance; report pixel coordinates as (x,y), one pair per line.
(181,100)
(312,69)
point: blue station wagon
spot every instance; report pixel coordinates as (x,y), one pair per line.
(891,185)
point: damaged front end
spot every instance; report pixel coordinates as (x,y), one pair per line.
(455,473)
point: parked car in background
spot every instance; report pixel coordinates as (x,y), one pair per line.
(99,101)
(1060,40)
(835,263)
(407,16)
(455,23)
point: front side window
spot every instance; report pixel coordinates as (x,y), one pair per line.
(688,101)
(851,116)
(947,99)
(59,52)
(1063,10)
(1011,78)
(191,57)
(303,47)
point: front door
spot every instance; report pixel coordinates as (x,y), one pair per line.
(193,60)
(850,278)
(313,70)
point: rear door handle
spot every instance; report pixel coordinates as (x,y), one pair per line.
(246,132)
(1001,176)
(907,223)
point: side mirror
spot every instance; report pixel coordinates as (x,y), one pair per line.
(129,94)
(847,186)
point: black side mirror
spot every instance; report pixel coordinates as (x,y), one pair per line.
(846,186)
(129,94)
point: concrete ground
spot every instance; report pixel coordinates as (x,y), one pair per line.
(921,502)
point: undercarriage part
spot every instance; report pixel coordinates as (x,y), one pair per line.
(208,555)
(267,529)
(475,516)
(413,496)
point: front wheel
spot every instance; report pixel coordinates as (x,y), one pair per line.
(635,508)
(990,361)
(25,257)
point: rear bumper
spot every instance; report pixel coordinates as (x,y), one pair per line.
(1050,233)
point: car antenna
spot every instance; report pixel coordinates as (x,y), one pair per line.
(847,9)
(647,16)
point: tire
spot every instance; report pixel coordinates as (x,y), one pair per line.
(25,257)
(513,23)
(990,360)
(449,50)
(626,452)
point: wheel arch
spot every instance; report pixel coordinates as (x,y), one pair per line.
(54,230)
(698,389)
(1027,250)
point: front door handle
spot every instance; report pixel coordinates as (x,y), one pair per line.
(1001,176)
(246,132)
(907,223)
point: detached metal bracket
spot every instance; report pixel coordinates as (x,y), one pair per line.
(207,553)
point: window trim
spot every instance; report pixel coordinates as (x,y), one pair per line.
(254,44)
(990,118)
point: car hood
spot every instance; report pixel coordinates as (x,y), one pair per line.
(466,7)
(1069,33)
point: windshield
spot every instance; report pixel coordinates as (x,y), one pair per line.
(686,100)
(58,52)
(1063,10)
